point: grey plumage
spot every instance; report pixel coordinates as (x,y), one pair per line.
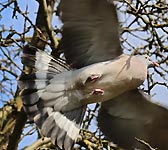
(90,31)
(55,93)
(133,115)
(90,35)
(62,128)
(57,102)
(44,109)
(40,87)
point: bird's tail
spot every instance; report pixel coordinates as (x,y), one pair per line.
(62,128)
(39,69)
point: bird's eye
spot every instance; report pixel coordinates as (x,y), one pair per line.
(146,57)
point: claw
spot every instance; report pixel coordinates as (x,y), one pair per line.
(93,78)
(98,92)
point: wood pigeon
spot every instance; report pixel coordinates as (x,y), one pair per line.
(55,93)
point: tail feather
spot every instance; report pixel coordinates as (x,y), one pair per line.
(61,137)
(63,128)
(33,84)
(30,99)
(40,69)
(53,132)
(67,143)
(44,95)
(49,121)
(39,75)
(31,111)
(42,115)
(40,60)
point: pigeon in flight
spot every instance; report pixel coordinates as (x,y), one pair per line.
(55,93)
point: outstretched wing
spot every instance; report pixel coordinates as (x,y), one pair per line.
(132,115)
(90,31)
(39,69)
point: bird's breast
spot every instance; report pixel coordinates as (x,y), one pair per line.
(106,80)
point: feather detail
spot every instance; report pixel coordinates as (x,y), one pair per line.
(39,69)
(44,95)
(63,128)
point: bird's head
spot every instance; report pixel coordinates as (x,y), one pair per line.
(147,60)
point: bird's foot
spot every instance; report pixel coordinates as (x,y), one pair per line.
(98,92)
(93,78)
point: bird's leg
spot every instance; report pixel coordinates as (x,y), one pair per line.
(93,78)
(98,92)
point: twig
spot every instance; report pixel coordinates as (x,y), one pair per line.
(145,143)
(50,31)
(38,143)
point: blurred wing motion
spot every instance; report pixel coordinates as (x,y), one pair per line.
(132,115)
(90,31)
(53,97)
(43,105)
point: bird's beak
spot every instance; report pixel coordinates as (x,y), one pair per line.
(155,64)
